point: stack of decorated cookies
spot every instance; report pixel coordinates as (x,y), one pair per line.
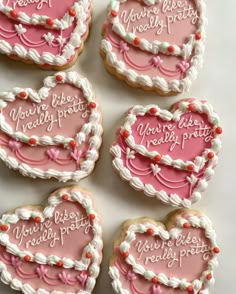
(56,132)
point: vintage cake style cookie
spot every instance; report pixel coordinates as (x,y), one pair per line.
(54,132)
(48,33)
(177,258)
(52,249)
(170,155)
(155,44)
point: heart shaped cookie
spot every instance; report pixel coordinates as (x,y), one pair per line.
(55,132)
(43,32)
(169,155)
(157,45)
(56,248)
(153,258)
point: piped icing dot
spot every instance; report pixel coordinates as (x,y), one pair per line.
(88,255)
(198,36)
(186,225)
(50,22)
(92,217)
(153,110)
(210,155)
(72,12)
(72,143)
(60,263)
(114,13)
(92,105)
(65,197)
(13,13)
(190,289)
(191,107)
(37,219)
(125,254)
(126,134)
(190,167)
(157,158)
(171,49)
(209,277)
(155,280)
(32,141)
(136,41)
(27,258)
(4,228)
(23,94)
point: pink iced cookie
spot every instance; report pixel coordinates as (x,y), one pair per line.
(53,133)
(155,44)
(179,258)
(169,155)
(48,33)
(52,248)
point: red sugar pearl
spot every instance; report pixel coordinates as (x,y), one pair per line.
(171,49)
(4,228)
(157,158)
(155,280)
(190,289)
(126,134)
(72,143)
(60,263)
(209,277)
(32,141)
(37,219)
(92,105)
(218,130)
(114,13)
(216,250)
(210,155)
(125,254)
(65,197)
(153,110)
(186,225)
(50,22)
(190,167)
(23,94)
(198,36)
(136,41)
(27,258)
(92,217)
(150,231)
(13,14)
(191,107)
(88,255)
(72,12)
(59,78)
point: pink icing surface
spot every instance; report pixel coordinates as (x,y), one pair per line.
(67,109)
(185,139)
(186,265)
(136,17)
(41,7)
(65,234)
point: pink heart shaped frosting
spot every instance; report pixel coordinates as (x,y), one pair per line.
(55,248)
(55,132)
(156,45)
(152,258)
(43,32)
(169,155)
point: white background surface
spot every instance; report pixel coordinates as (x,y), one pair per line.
(114,198)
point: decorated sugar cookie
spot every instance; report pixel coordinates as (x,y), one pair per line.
(48,33)
(52,249)
(155,44)
(51,133)
(170,155)
(177,258)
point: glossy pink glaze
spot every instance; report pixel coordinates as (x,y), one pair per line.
(61,99)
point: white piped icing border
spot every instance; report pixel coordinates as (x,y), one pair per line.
(139,226)
(95,247)
(93,128)
(194,46)
(184,107)
(82,9)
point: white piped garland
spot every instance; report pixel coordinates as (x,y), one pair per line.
(191,220)
(94,248)
(93,127)
(172,199)
(82,9)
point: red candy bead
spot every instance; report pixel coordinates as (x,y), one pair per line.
(157,158)
(191,107)
(153,110)
(171,49)
(126,134)
(136,41)
(209,277)
(27,258)
(154,280)
(23,94)
(114,13)
(216,250)
(92,217)
(37,219)
(88,255)
(125,254)
(186,225)
(32,141)
(4,228)
(92,105)
(50,22)
(190,289)
(210,155)
(72,12)
(65,197)
(150,231)
(190,167)
(13,14)
(198,36)
(60,263)
(219,130)
(72,143)
(59,78)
